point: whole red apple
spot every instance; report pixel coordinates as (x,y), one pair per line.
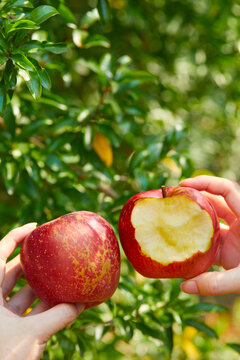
(74,258)
(170,232)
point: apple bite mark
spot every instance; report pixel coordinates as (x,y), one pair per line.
(171,229)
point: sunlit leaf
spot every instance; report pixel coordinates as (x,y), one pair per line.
(34,85)
(23,25)
(23,62)
(3,59)
(96,40)
(89,19)
(55,48)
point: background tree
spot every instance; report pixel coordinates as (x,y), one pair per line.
(98,101)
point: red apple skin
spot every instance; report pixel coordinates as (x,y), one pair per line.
(193,266)
(74,258)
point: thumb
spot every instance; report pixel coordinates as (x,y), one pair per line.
(214,283)
(49,322)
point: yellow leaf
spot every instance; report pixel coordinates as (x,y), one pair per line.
(170,164)
(202,172)
(188,346)
(103,148)
(117,4)
(190,349)
(189,333)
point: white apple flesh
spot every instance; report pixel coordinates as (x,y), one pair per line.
(172,229)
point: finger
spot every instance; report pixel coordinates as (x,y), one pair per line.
(229,256)
(9,243)
(217,186)
(39,308)
(2,273)
(224,230)
(222,209)
(214,283)
(49,322)
(13,273)
(20,301)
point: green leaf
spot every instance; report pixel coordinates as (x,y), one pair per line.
(17,3)
(83,115)
(43,13)
(30,46)
(107,65)
(33,83)
(3,59)
(3,98)
(55,48)
(206,307)
(66,14)
(234,346)
(140,76)
(10,75)
(90,64)
(8,177)
(44,78)
(137,158)
(58,142)
(202,327)
(53,162)
(89,19)
(149,331)
(23,62)
(23,3)
(43,75)
(104,11)
(79,36)
(23,24)
(9,120)
(3,42)
(34,127)
(96,40)
(175,289)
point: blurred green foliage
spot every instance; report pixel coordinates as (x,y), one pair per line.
(159,81)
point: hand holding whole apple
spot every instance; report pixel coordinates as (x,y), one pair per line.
(25,337)
(72,263)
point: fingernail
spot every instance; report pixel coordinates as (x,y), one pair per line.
(80,307)
(190,287)
(182,181)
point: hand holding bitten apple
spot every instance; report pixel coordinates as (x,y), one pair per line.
(225,197)
(24,338)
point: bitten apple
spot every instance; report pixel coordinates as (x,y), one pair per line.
(170,232)
(74,258)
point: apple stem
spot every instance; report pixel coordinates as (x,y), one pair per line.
(164,192)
